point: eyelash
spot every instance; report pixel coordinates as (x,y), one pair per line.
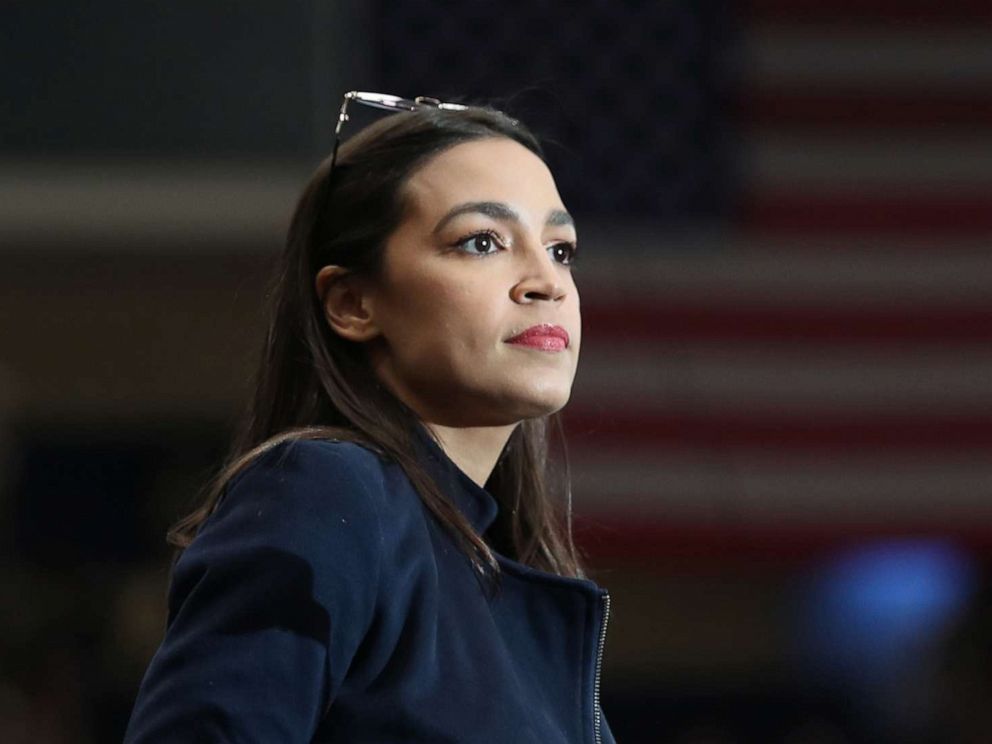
(496,239)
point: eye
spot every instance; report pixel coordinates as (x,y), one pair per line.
(564,252)
(483,242)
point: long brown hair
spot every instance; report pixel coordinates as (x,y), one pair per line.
(313,384)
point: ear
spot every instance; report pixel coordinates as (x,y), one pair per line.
(346,303)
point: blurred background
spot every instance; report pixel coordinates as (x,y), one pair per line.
(781,425)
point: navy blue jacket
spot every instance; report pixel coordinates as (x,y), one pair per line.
(322,602)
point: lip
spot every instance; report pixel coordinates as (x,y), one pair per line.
(546,336)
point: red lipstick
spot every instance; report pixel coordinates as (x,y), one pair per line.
(546,337)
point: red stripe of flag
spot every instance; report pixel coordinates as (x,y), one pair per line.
(720,318)
(816,430)
(860,12)
(863,110)
(649,541)
(774,212)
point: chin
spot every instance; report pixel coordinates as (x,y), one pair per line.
(543,405)
(507,410)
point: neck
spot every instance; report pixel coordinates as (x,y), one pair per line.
(474,450)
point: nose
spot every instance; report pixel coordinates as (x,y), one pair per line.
(541,278)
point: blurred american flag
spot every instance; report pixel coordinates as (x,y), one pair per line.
(821,370)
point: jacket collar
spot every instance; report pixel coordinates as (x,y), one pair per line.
(475,502)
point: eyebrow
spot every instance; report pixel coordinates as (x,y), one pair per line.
(500,211)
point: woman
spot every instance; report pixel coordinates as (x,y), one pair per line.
(384,559)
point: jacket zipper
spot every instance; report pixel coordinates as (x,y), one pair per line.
(597,723)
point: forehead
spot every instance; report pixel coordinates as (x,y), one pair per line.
(492,169)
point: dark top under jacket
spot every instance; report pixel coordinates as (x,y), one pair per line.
(322,602)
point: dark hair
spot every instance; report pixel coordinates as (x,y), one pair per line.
(312,383)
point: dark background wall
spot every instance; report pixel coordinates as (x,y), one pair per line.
(781,423)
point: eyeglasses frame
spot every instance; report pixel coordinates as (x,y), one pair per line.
(384,101)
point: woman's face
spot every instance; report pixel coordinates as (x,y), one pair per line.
(481,255)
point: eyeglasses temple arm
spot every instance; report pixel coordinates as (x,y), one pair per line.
(342,118)
(343,115)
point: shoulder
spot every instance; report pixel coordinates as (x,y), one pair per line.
(305,511)
(305,462)
(323,477)
(309,497)
(275,594)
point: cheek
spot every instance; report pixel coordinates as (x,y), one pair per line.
(470,318)
(448,318)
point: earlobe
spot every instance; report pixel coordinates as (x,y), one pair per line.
(345,304)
